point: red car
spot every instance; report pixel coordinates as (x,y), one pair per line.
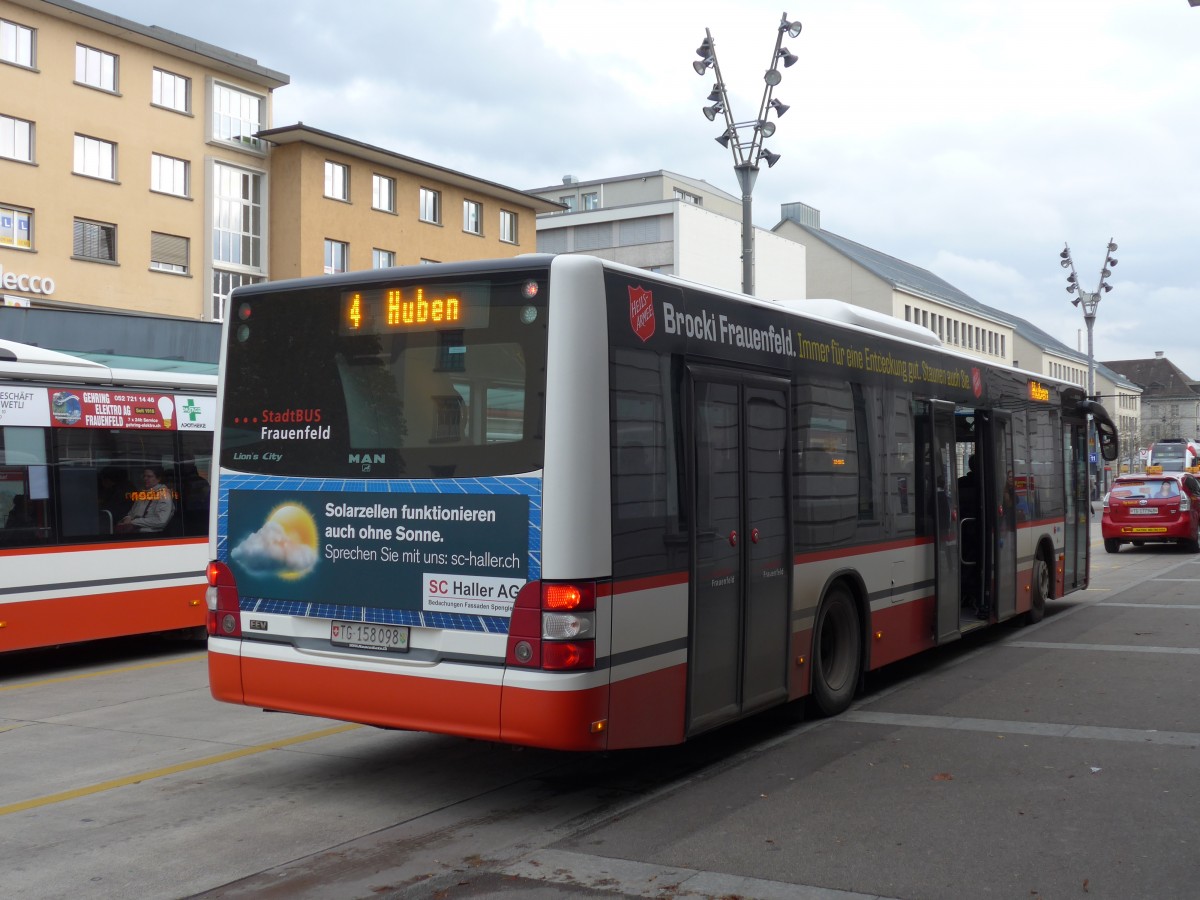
(1144,508)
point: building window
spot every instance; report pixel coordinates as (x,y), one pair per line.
(337,181)
(17,44)
(238,216)
(591,200)
(693,199)
(336,255)
(168,253)
(431,206)
(429,262)
(95,240)
(237,115)
(382,259)
(16,227)
(568,201)
(508,226)
(383,193)
(473,216)
(95,158)
(171,91)
(16,139)
(223,284)
(169,175)
(95,68)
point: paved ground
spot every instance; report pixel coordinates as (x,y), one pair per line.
(1053,761)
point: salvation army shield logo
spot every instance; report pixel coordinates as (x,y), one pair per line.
(641,312)
(977,382)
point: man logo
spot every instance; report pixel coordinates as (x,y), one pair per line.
(367,458)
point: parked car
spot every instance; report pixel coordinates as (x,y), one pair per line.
(1152,508)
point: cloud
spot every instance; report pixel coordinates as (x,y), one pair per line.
(969,139)
(272,549)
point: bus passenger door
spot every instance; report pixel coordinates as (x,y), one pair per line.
(947,568)
(1000,515)
(740,622)
(1079,477)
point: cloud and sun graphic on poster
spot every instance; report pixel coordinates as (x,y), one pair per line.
(286,544)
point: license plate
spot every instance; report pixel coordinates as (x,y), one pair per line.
(1143,511)
(367,636)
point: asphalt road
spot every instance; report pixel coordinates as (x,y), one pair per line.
(1052,761)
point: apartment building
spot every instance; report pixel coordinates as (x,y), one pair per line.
(140,173)
(131,176)
(338,205)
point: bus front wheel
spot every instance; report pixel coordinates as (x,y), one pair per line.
(837,651)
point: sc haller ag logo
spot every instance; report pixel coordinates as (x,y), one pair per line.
(641,312)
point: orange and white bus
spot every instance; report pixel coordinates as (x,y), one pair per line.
(77,437)
(1174,455)
(557,501)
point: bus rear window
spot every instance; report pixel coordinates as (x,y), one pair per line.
(390,380)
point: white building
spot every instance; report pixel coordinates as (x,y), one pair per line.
(672,224)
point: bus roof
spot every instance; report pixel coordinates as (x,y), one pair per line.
(30,363)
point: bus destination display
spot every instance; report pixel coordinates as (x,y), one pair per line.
(415,307)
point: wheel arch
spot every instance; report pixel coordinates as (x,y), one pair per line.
(853,581)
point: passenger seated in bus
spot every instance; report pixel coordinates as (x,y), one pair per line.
(152,506)
(19,514)
(194,496)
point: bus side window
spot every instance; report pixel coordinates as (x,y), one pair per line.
(194,490)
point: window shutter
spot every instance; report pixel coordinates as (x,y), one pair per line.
(169,249)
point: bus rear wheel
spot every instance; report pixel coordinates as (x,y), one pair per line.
(1039,590)
(837,651)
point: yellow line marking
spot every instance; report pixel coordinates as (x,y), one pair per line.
(120,671)
(49,799)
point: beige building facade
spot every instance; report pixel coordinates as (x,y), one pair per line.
(140,173)
(340,205)
(123,149)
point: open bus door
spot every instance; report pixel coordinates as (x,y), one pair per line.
(1000,514)
(947,567)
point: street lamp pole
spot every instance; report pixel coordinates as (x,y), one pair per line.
(747,151)
(1089,301)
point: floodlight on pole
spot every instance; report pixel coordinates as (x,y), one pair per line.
(1089,301)
(744,139)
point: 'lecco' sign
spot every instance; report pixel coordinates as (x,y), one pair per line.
(33,284)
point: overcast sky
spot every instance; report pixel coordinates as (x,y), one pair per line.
(971,138)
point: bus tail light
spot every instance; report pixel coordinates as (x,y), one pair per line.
(553,626)
(224,611)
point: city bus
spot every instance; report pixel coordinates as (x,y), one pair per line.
(560,502)
(1174,455)
(77,437)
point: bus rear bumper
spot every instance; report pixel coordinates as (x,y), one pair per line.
(448,698)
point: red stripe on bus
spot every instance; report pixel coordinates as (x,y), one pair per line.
(113,545)
(648,710)
(900,631)
(373,698)
(560,720)
(92,617)
(654,582)
(225,675)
